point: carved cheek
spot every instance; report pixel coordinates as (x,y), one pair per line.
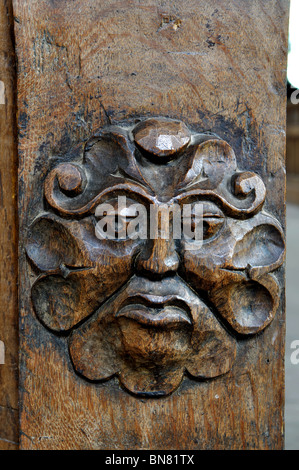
(50,244)
(80,271)
(61,296)
(114,265)
(203,269)
(60,303)
(250,305)
(261,249)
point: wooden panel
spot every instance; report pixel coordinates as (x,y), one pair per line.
(83,65)
(8,236)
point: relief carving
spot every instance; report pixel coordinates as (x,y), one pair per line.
(150,310)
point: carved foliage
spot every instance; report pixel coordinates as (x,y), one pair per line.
(146,308)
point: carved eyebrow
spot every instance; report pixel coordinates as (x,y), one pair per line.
(123,188)
(208,198)
(209,209)
(215,215)
(229,208)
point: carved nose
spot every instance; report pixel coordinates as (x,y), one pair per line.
(158,258)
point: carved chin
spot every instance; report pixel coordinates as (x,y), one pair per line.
(150,348)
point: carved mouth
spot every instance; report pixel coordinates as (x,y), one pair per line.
(155,311)
(168,316)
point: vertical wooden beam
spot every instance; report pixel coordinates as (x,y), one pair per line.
(220,68)
(8,234)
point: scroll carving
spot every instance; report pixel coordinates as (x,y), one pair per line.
(151,310)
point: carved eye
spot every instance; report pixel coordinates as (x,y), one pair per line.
(122,220)
(114,219)
(211,225)
(120,225)
(205,217)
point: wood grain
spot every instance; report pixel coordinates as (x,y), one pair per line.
(82,65)
(8,236)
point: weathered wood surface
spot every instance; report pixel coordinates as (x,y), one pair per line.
(81,66)
(8,236)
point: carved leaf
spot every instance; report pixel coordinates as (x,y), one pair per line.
(50,244)
(62,303)
(248,306)
(210,163)
(262,246)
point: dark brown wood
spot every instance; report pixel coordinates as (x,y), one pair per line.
(8,235)
(151,343)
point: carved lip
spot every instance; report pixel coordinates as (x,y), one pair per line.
(155,311)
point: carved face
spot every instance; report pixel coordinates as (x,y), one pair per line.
(148,310)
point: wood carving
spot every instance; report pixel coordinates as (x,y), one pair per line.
(151,310)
